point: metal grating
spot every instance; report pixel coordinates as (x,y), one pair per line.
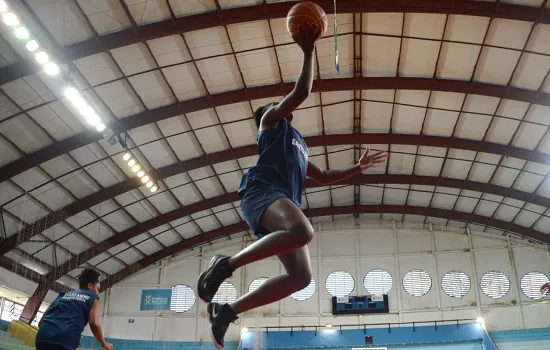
(340,284)
(378,282)
(305,293)
(495,284)
(417,283)
(183,298)
(456,284)
(531,284)
(225,294)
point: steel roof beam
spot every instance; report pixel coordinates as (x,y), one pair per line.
(358,180)
(251,93)
(276,10)
(375,209)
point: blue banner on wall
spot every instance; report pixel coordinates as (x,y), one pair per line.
(156,299)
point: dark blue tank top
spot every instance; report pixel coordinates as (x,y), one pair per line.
(282,163)
(66,318)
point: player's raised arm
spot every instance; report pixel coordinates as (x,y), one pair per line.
(302,89)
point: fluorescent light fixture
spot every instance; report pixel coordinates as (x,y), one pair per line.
(329,325)
(132,162)
(51,68)
(10,19)
(71,93)
(42,57)
(32,45)
(100,127)
(3,6)
(126,157)
(149,184)
(244,331)
(21,33)
(154,188)
(136,168)
(145,179)
(141,173)
(90,115)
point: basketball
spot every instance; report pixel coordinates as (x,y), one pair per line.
(303,13)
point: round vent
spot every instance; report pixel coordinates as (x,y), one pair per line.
(225,294)
(531,284)
(340,284)
(183,298)
(256,284)
(456,284)
(417,283)
(495,284)
(378,282)
(305,293)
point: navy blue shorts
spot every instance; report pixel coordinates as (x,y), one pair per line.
(256,199)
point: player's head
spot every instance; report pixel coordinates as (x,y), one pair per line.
(89,279)
(261,111)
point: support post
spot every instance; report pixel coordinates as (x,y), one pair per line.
(33,304)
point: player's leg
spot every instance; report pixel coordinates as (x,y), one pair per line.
(289,229)
(298,276)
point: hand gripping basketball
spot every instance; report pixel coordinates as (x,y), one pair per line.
(308,36)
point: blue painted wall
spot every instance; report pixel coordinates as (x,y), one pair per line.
(398,337)
(127,344)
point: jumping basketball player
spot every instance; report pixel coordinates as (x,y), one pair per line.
(271,197)
(62,324)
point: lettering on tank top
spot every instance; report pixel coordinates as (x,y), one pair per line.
(76,296)
(301,148)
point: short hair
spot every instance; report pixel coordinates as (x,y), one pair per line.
(87,276)
(261,111)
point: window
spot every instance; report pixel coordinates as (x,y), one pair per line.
(37,319)
(225,294)
(495,284)
(340,284)
(183,298)
(11,311)
(305,293)
(456,284)
(256,284)
(378,282)
(417,283)
(531,284)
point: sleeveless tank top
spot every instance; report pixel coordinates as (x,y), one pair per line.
(282,162)
(66,318)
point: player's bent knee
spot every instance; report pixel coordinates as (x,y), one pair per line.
(303,232)
(302,280)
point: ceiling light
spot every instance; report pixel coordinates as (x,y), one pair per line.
(10,19)
(149,184)
(71,93)
(126,157)
(76,99)
(136,168)
(21,33)
(141,173)
(42,57)
(100,127)
(244,331)
(145,179)
(32,45)
(131,162)
(51,68)
(3,6)
(481,321)
(329,325)
(154,188)
(90,115)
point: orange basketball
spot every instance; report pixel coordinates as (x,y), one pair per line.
(303,13)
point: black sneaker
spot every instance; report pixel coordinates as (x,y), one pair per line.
(210,280)
(220,317)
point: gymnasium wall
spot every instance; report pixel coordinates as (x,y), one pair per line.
(343,246)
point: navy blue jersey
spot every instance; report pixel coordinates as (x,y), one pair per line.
(66,318)
(282,163)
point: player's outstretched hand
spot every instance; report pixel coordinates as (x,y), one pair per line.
(372,161)
(545,289)
(308,35)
